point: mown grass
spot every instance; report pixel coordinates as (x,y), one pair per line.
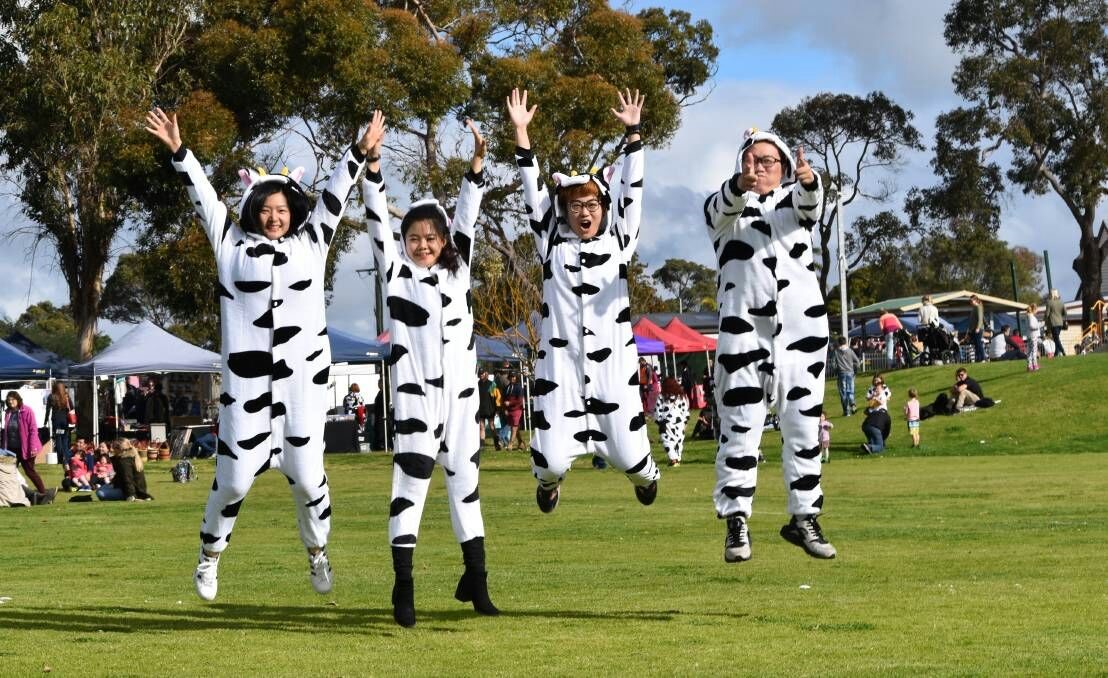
(991,562)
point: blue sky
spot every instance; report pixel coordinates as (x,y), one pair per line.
(772,55)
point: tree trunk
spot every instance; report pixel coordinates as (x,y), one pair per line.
(1087,265)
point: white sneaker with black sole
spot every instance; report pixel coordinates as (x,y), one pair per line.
(805,532)
(206,577)
(736,547)
(320,571)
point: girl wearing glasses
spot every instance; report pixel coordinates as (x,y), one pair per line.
(586,385)
(772,336)
(433,365)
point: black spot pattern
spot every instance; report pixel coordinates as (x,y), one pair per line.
(415,465)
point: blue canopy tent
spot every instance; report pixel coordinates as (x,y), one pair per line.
(59,366)
(490,349)
(15,364)
(350,348)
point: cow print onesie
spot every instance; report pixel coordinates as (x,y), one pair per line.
(586,386)
(434,367)
(275,349)
(772,334)
(672,414)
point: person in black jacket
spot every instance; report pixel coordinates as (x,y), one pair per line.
(157,408)
(129,482)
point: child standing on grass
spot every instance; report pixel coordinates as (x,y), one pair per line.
(911,413)
(1032,339)
(825,427)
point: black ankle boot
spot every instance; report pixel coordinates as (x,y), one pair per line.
(473,586)
(403,602)
(403,588)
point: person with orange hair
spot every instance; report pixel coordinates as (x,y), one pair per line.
(586,386)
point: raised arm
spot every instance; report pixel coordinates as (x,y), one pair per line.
(808,202)
(628,216)
(385,252)
(469,198)
(210,209)
(536,197)
(325,216)
(723,208)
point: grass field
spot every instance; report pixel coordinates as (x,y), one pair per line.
(981,553)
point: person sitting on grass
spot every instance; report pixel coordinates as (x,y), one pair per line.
(877,425)
(129,482)
(102,471)
(966,392)
(77,475)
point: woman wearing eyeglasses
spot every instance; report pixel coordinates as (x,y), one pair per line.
(586,386)
(772,337)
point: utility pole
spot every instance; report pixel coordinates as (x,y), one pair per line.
(842,259)
(1015,295)
(378,327)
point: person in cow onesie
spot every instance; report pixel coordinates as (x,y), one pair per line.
(772,337)
(276,358)
(433,365)
(586,386)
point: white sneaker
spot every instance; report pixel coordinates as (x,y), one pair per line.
(736,547)
(206,577)
(320,571)
(805,532)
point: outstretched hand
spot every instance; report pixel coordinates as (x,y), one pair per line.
(370,143)
(804,173)
(479,147)
(517,109)
(630,107)
(164,127)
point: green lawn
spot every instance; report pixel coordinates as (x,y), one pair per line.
(962,558)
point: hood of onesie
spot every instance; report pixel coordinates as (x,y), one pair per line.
(601,179)
(754,135)
(254,180)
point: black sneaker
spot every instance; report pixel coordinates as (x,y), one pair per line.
(547,499)
(805,532)
(647,495)
(736,547)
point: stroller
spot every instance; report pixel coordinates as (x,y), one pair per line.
(939,347)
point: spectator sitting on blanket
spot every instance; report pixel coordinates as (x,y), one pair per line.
(966,391)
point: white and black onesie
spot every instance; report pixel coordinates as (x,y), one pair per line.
(276,356)
(772,334)
(587,380)
(433,366)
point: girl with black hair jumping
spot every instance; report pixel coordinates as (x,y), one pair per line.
(433,370)
(276,356)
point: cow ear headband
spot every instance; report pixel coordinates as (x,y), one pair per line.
(249,177)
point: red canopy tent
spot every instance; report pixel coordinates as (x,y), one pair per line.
(680,329)
(674,343)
